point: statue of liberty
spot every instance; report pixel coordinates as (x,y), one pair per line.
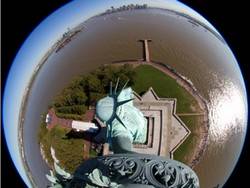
(125,125)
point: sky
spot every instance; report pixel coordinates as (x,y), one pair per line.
(39,42)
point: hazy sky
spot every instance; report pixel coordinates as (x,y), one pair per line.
(38,43)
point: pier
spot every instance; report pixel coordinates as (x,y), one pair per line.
(146,49)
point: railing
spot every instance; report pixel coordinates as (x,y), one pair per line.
(139,169)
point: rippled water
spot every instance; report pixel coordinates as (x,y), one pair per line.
(190,49)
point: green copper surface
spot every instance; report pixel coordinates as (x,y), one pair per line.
(122,117)
(135,124)
(105,108)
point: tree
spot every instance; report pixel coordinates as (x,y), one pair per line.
(86,90)
(94,84)
(94,97)
(78,97)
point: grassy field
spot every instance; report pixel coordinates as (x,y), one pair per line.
(187,148)
(167,87)
(67,151)
(164,86)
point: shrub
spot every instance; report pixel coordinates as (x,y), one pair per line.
(69,116)
(75,109)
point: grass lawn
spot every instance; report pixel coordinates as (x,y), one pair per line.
(187,148)
(67,151)
(164,86)
(167,87)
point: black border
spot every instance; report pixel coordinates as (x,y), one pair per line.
(230,18)
(19,18)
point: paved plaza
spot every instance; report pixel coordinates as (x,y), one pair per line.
(166,131)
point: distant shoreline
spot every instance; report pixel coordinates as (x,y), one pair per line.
(54,49)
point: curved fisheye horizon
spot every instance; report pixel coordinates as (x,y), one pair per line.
(76,17)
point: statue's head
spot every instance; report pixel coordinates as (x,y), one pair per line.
(105,108)
(122,118)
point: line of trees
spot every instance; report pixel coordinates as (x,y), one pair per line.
(85,90)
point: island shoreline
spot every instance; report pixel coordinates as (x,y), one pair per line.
(190,88)
(52,50)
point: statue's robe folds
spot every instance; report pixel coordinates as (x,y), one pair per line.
(134,124)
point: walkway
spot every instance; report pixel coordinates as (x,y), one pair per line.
(67,123)
(191,114)
(54,120)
